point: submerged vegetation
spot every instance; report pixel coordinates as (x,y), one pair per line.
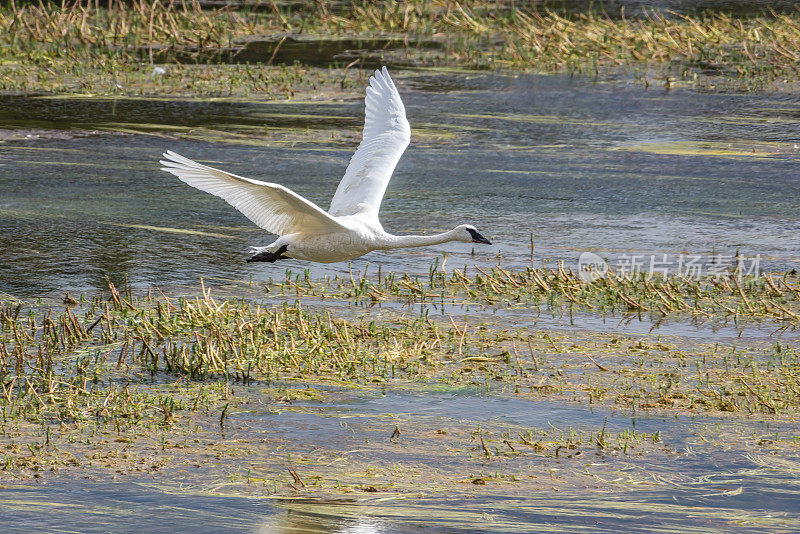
(267,387)
(114,48)
(733,295)
(119,369)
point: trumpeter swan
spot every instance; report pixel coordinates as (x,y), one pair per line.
(350,228)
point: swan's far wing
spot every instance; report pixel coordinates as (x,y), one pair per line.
(386,135)
(273,207)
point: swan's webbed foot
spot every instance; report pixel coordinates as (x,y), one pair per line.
(270,257)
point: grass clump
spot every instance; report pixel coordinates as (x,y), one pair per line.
(130,381)
(83,47)
(80,364)
(708,49)
(88,48)
(734,295)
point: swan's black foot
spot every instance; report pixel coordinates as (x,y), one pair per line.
(270,257)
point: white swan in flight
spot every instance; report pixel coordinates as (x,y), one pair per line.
(350,228)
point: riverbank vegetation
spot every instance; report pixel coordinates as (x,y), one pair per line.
(103,372)
(276,50)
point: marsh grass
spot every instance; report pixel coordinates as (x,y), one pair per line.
(59,366)
(645,374)
(732,295)
(86,47)
(136,382)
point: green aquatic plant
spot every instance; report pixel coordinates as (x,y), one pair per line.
(56,365)
(733,295)
(129,382)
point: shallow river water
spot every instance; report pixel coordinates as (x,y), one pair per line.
(632,174)
(717,491)
(618,170)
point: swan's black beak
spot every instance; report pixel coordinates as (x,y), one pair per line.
(478,238)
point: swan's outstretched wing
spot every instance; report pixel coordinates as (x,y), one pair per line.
(273,207)
(386,136)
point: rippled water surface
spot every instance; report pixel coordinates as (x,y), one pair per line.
(577,166)
(614,169)
(712,491)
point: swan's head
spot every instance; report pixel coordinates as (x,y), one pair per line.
(470,234)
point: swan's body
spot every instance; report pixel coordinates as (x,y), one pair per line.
(350,228)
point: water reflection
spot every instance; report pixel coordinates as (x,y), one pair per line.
(613,169)
(323,517)
(696,485)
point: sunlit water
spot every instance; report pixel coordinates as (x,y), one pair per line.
(617,170)
(622,171)
(712,491)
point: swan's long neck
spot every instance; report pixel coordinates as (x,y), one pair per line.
(406,241)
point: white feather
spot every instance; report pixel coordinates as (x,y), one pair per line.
(273,207)
(351,228)
(386,136)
